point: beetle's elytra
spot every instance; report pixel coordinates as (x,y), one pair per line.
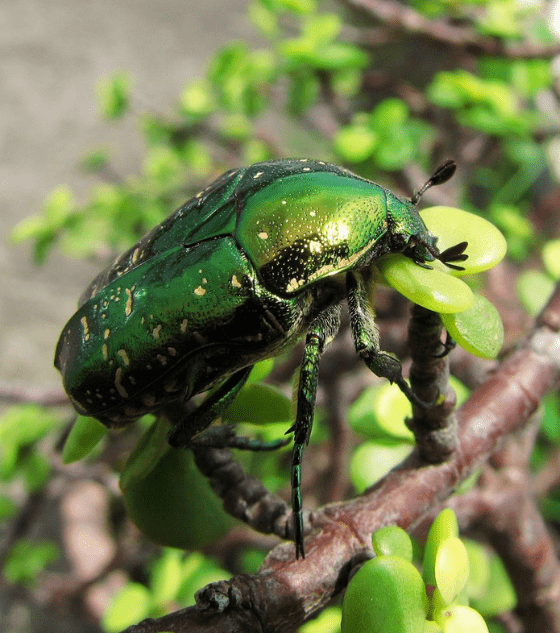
(262,257)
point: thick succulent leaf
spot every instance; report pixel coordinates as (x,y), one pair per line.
(84,436)
(451,568)
(386,595)
(434,289)
(486,245)
(392,540)
(479,329)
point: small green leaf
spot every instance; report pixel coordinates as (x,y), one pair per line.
(95,160)
(479,569)
(34,226)
(296,6)
(500,595)
(36,471)
(167,497)
(84,435)
(166,577)
(371,461)
(304,90)
(355,143)
(260,370)
(132,604)
(196,100)
(433,289)
(27,558)
(328,621)
(551,258)
(392,540)
(8,508)
(263,18)
(551,414)
(386,595)
(340,55)
(380,411)
(147,453)
(395,151)
(389,115)
(346,82)
(20,426)
(113,92)
(460,619)
(162,164)
(451,568)
(534,289)
(479,329)
(444,526)
(259,404)
(322,28)
(255,151)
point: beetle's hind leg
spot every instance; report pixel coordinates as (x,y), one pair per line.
(210,410)
(366,338)
(195,429)
(321,331)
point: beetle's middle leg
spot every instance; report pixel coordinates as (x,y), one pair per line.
(366,338)
(320,333)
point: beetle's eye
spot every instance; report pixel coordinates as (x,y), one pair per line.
(399,243)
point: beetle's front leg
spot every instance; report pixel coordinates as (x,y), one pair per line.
(366,338)
(319,334)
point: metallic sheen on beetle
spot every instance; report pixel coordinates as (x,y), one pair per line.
(264,256)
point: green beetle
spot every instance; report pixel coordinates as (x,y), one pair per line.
(265,255)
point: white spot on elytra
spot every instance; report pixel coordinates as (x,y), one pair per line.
(263,235)
(122,353)
(86,328)
(118,384)
(128,307)
(200,291)
(156,331)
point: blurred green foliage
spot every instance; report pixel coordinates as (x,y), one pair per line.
(343,86)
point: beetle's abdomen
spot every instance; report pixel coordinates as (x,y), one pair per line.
(308,226)
(151,334)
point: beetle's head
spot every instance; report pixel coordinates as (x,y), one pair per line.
(421,245)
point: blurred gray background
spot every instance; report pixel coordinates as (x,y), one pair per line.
(52,54)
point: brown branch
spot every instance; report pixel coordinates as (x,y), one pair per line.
(518,533)
(403,18)
(286,592)
(20,392)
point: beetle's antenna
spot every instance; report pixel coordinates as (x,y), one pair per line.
(442,174)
